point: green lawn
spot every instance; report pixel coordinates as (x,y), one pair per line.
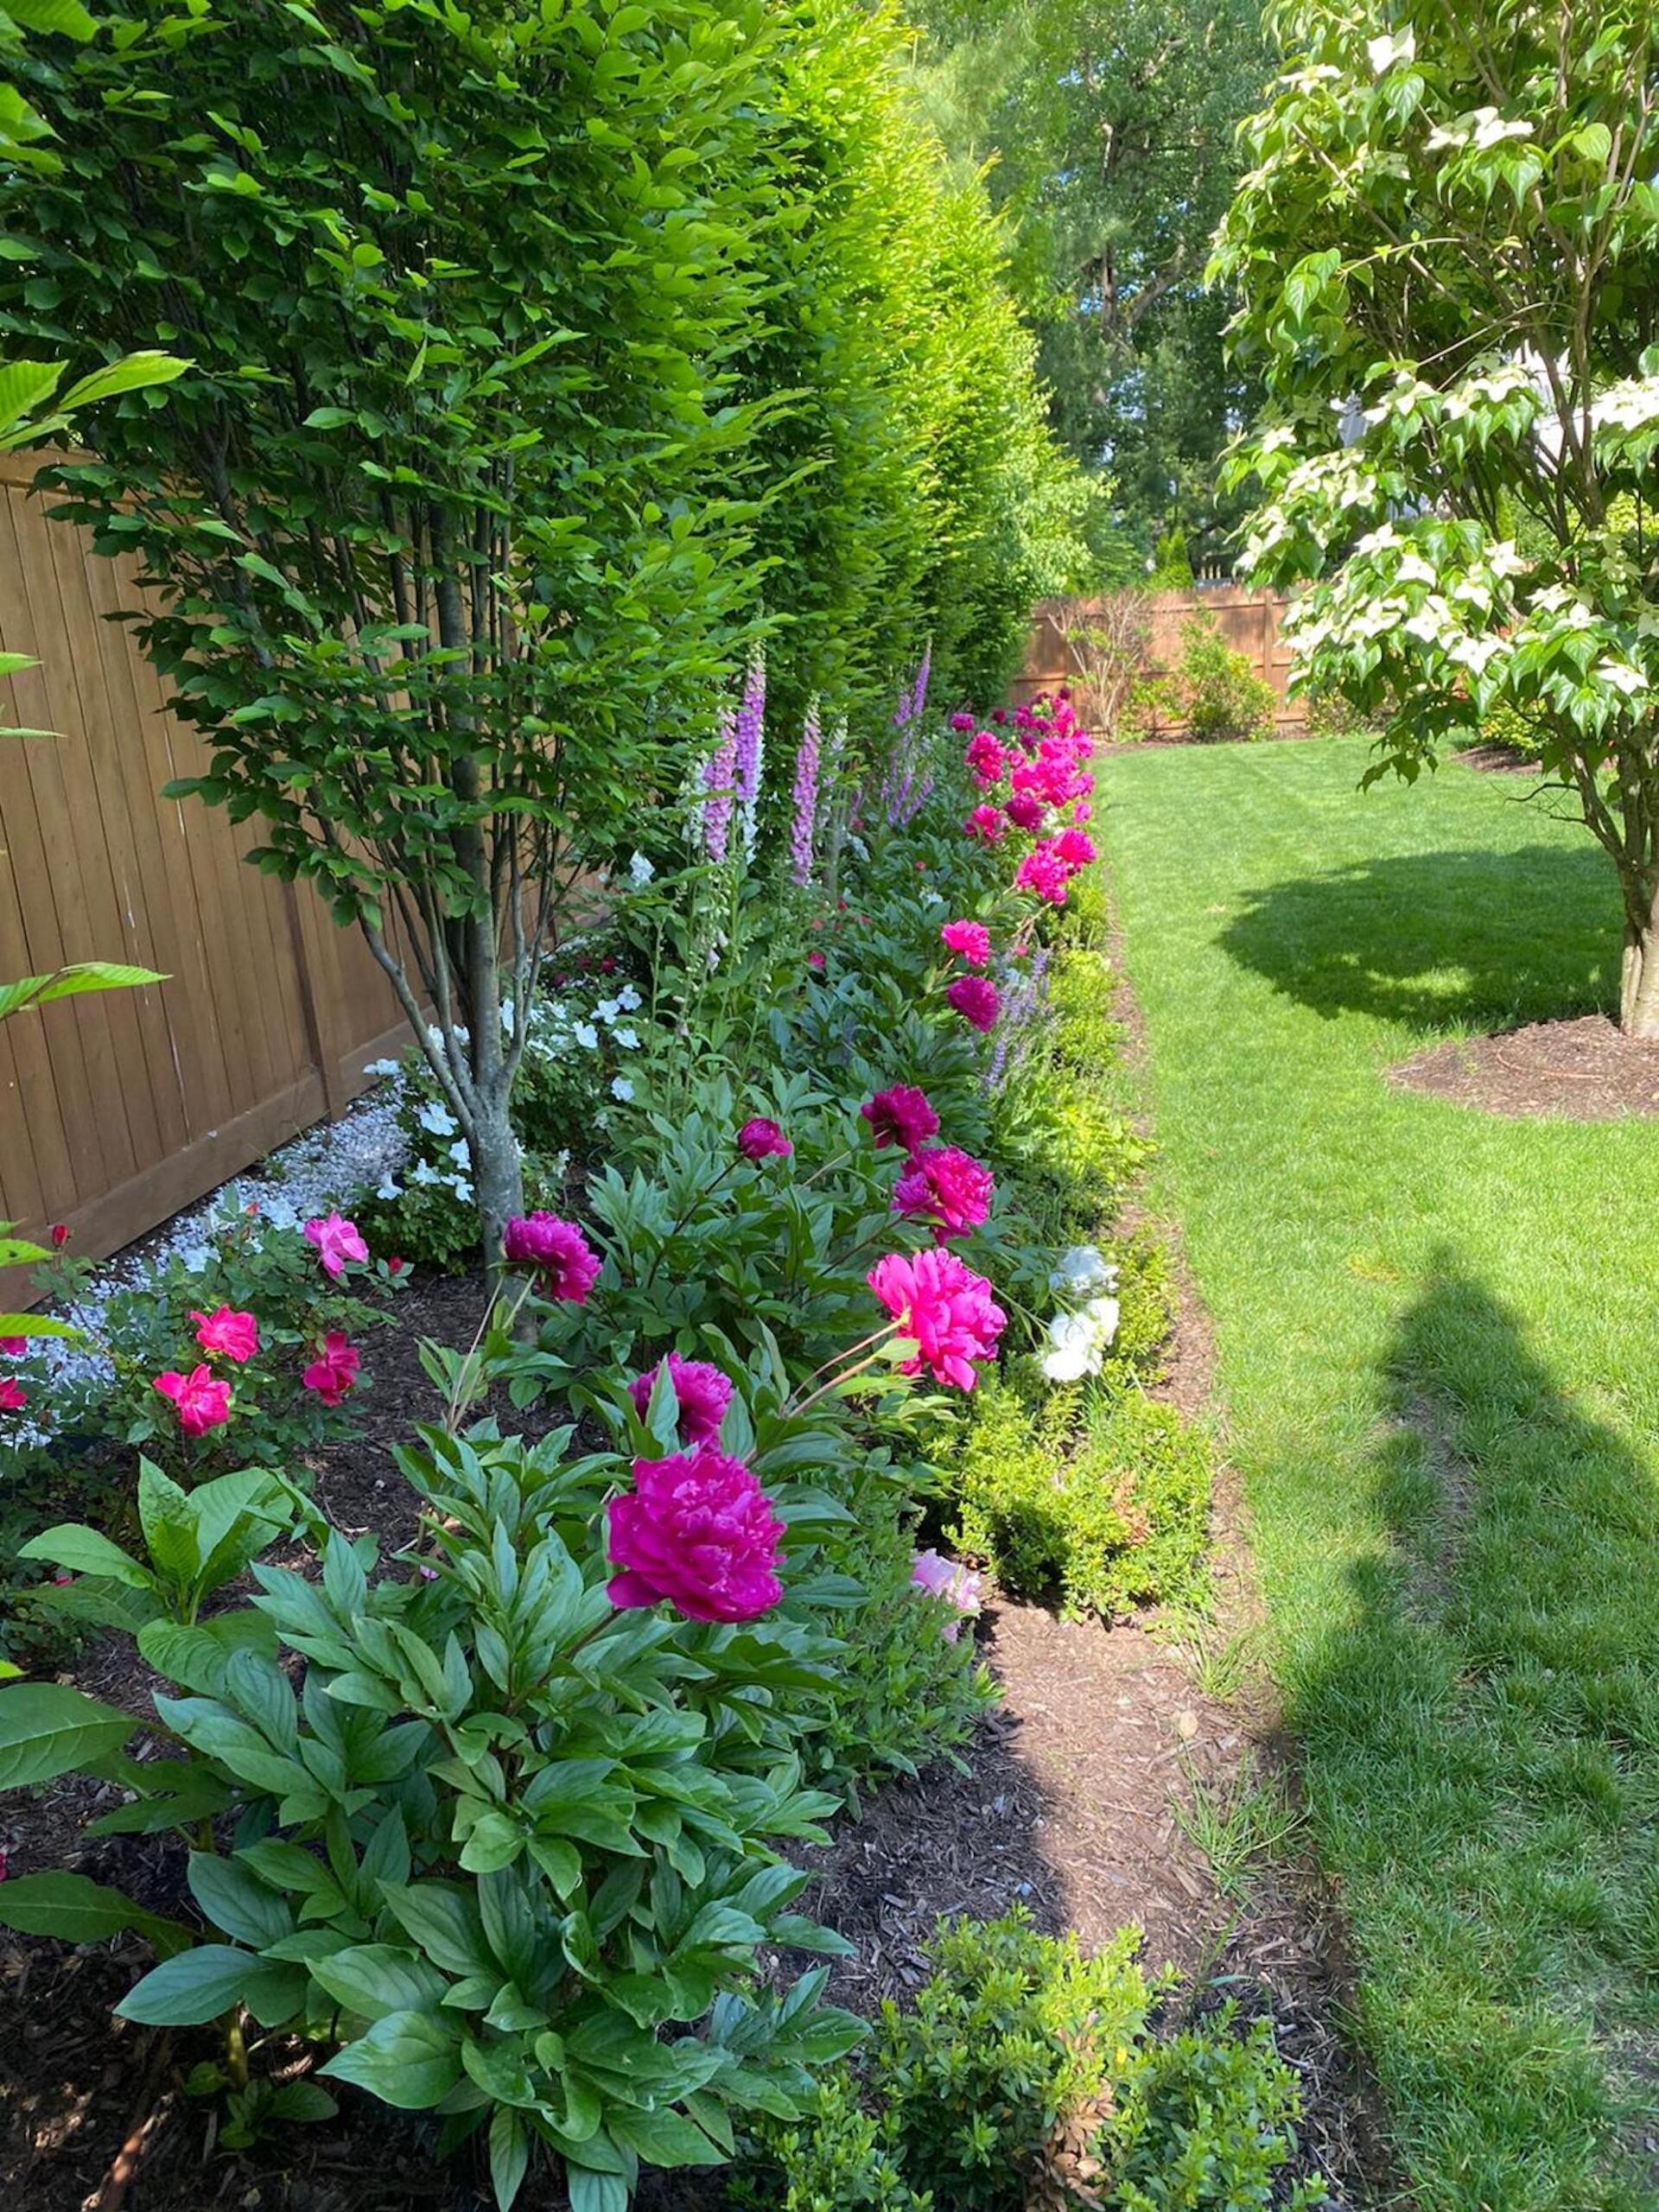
(1439,1378)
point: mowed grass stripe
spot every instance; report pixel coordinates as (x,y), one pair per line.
(1437,1365)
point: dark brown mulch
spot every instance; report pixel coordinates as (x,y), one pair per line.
(1582,1071)
(1497,760)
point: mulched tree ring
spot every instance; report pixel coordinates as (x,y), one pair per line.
(1582,1071)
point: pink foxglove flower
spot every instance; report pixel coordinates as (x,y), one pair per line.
(946,1187)
(557,1251)
(719,783)
(976,999)
(698,1531)
(337,1241)
(234,1335)
(760,1139)
(332,1373)
(987,824)
(948,1311)
(971,939)
(958,1585)
(200,1401)
(804,825)
(702,1391)
(13,1396)
(901,1116)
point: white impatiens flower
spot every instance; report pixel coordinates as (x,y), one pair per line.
(425,1172)
(462,1189)
(461,1153)
(629,1000)
(627,1039)
(587,1036)
(388,1188)
(437,1120)
(608,1009)
(1082,1271)
(622,1089)
(640,871)
(381,1068)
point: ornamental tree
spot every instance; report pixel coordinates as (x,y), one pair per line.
(441,519)
(1447,250)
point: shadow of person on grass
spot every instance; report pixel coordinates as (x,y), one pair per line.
(1482,1755)
(1482,940)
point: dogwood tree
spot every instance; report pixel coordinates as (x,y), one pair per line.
(1447,249)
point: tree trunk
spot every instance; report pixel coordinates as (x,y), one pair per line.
(497,1172)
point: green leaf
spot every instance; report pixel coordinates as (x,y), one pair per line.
(80,1550)
(72,982)
(133,374)
(376,1978)
(663,2137)
(411,2060)
(35,1324)
(234,1899)
(509,2156)
(25,386)
(83,1911)
(197,1985)
(65,18)
(48,1729)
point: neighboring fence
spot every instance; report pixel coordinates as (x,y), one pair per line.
(1251,622)
(118,1109)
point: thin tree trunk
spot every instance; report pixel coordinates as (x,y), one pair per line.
(497,1171)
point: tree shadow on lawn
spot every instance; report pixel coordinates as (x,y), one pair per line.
(1441,941)
(1481,1741)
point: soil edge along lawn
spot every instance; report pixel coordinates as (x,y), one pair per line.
(1435,1344)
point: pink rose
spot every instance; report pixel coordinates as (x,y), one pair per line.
(702,1391)
(763,1140)
(337,1241)
(947,1310)
(946,1187)
(333,1373)
(200,1401)
(958,1585)
(557,1250)
(235,1335)
(976,999)
(971,939)
(697,1531)
(902,1115)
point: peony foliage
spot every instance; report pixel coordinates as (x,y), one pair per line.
(1448,248)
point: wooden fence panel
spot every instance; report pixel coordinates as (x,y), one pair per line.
(118,1109)
(1251,622)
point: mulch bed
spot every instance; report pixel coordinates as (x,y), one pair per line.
(1582,1071)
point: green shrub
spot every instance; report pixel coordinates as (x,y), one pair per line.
(1221,695)
(837,2159)
(1204,2123)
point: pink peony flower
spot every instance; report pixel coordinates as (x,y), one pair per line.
(235,1335)
(949,1311)
(13,1396)
(201,1402)
(1044,873)
(987,759)
(558,1252)
(333,1373)
(1024,811)
(999,717)
(337,1241)
(1075,848)
(971,939)
(814,960)
(763,1140)
(946,1187)
(976,1000)
(60,1234)
(902,1115)
(14,1347)
(962,721)
(702,1391)
(986,824)
(698,1531)
(949,1580)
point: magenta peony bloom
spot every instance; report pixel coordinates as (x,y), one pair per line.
(940,1301)
(201,1403)
(963,722)
(13,1396)
(971,939)
(558,1252)
(14,1347)
(946,1187)
(702,1391)
(815,961)
(1044,873)
(235,1335)
(948,1578)
(1024,811)
(975,999)
(986,760)
(333,1373)
(763,1140)
(698,1531)
(1076,847)
(902,1115)
(986,824)
(337,1241)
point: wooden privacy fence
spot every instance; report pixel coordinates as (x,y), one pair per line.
(117,1109)
(1251,622)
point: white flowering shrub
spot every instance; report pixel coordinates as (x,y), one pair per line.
(1446,249)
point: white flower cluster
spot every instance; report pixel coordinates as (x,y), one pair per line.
(1081,1333)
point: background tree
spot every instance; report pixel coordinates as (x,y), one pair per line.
(1448,251)
(1111,129)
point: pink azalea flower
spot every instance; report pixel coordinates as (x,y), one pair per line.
(13,1396)
(938,1301)
(697,1531)
(986,824)
(14,1347)
(235,1335)
(558,1252)
(702,1391)
(902,1115)
(976,999)
(333,1373)
(946,1187)
(201,1402)
(337,1241)
(958,1585)
(763,1140)
(971,939)
(1025,811)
